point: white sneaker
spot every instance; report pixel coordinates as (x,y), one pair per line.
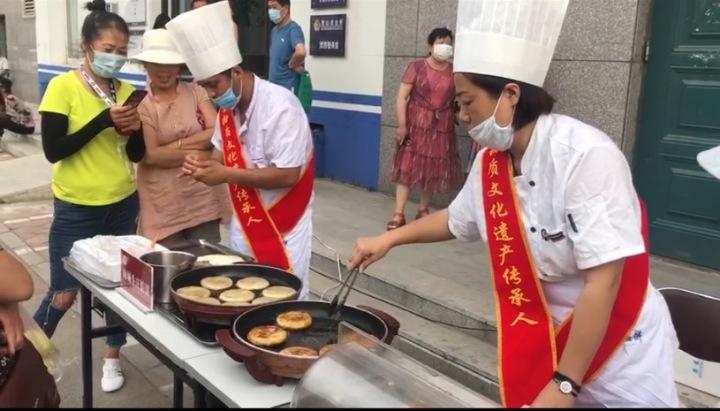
(112,379)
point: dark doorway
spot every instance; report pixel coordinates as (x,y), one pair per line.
(3,36)
(252,20)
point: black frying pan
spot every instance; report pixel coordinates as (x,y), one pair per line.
(267,365)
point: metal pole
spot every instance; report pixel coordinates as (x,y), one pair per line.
(199,393)
(177,391)
(86,346)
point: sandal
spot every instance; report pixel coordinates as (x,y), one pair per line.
(422,212)
(397,221)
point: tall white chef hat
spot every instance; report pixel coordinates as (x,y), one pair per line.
(710,161)
(514,39)
(205,37)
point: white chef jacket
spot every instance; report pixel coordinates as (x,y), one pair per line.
(576,182)
(276,133)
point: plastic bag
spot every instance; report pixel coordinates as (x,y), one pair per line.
(304,91)
(100,255)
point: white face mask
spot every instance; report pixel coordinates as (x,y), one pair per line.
(489,134)
(443,52)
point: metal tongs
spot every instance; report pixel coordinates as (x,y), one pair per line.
(339,301)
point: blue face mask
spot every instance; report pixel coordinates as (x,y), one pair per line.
(107,65)
(275,15)
(228,100)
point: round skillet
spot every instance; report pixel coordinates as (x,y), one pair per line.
(268,365)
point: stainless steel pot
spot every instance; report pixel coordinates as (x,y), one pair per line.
(166,265)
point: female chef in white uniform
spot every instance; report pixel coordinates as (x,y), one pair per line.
(579,210)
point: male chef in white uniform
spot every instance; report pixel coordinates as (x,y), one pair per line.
(263,145)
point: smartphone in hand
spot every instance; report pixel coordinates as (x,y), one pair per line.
(135,98)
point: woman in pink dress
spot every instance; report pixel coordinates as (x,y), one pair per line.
(427,158)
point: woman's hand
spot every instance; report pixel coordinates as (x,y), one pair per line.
(125,119)
(401,135)
(369,250)
(13,329)
(551,397)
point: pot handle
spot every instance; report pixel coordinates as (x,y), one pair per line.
(234,349)
(240,353)
(391,322)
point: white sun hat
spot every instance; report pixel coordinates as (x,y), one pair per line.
(514,39)
(206,38)
(159,48)
(710,161)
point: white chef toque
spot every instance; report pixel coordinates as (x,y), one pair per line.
(206,38)
(513,39)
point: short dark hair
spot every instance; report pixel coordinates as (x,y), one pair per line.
(282,3)
(439,33)
(160,21)
(534,101)
(101,19)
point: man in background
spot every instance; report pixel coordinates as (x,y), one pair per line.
(287,46)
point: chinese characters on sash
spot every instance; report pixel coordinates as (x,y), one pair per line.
(250,214)
(502,235)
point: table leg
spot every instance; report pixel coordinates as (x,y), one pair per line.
(86,346)
(177,392)
(199,393)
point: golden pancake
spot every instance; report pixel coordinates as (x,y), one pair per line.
(267,336)
(236,304)
(252,284)
(294,320)
(326,348)
(278,292)
(299,352)
(206,300)
(193,292)
(220,259)
(218,283)
(263,300)
(237,296)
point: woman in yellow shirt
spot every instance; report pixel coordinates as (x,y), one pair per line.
(92,140)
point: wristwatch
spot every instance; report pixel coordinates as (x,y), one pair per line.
(566,385)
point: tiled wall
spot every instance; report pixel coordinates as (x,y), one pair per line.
(596,75)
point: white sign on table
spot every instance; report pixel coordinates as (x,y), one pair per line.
(136,282)
(700,375)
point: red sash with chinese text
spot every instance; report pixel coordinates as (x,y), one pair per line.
(528,345)
(264,227)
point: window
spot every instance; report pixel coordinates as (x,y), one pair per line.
(76,14)
(28,9)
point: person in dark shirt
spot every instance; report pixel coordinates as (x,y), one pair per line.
(14,113)
(24,379)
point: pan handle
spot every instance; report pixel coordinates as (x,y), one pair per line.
(240,353)
(234,349)
(391,322)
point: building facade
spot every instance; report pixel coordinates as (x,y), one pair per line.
(18,44)
(643,71)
